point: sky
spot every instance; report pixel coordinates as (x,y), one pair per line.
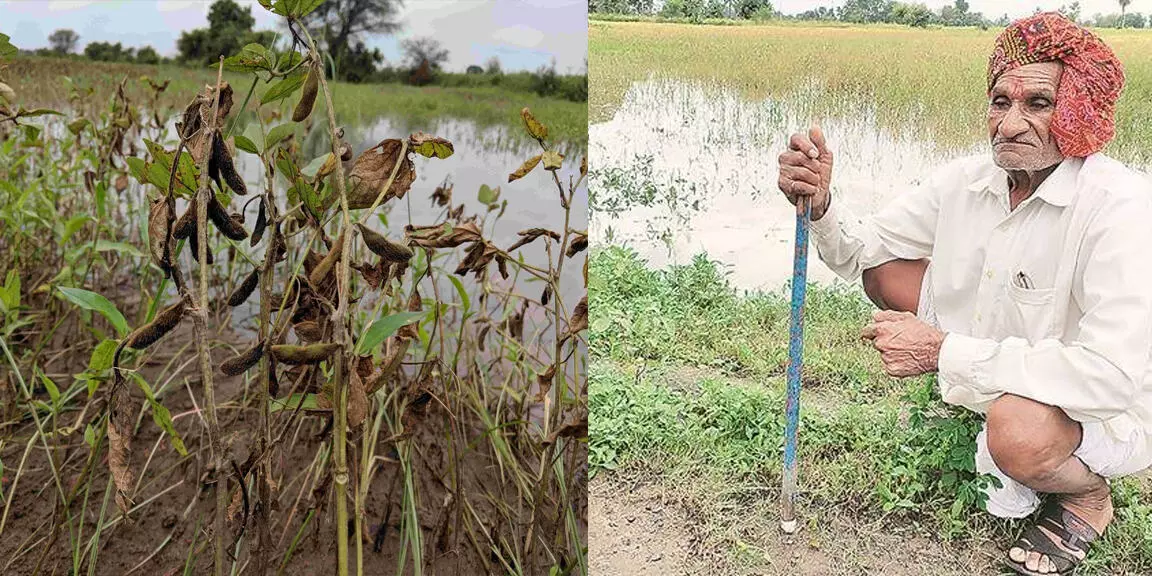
(523,34)
(990,8)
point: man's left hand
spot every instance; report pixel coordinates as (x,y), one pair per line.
(907,345)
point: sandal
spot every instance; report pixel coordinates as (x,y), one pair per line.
(1074,535)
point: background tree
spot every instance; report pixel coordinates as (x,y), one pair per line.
(338,24)
(108,52)
(64,41)
(229,28)
(492,66)
(147,55)
(360,64)
(1123,10)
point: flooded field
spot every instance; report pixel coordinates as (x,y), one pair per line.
(685,167)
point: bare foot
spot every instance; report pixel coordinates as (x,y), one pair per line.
(1094,508)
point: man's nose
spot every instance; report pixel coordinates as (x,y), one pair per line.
(1013,123)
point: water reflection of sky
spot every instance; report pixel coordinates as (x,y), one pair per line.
(705,143)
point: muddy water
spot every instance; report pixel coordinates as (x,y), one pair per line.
(684,168)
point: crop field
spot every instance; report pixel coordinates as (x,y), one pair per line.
(234,340)
(41,79)
(689,338)
(930,82)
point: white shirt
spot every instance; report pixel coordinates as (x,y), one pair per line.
(1051,301)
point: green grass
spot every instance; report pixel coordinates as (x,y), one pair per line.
(930,82)
(40,82)
(686,386)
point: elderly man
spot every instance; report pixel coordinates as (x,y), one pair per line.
(1030,275)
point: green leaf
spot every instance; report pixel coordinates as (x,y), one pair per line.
(251,58)
(23,113)
(50,386)
(313,167)
(488,195)
(102,356)
(90,436)
(288,60)
(78,125)
(75,223)
(121,247)
(7,50)
(10,294)
(254,135)
(161,415)
(283,88)
(304,401)
(385,327)
(97,303)
(462,292)
(138,168)
(430,146)
(277,134)
(305,7)
(243,143)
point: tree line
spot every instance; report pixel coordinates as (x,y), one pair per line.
(855,11)
(342,28)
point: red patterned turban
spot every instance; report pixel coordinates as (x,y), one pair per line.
(1089,86)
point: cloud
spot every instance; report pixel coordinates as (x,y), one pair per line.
(522,36)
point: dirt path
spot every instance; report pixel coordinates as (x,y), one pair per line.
(640,530)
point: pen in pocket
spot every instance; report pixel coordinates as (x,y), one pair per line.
(1023,281)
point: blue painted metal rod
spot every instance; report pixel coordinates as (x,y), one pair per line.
(795,363)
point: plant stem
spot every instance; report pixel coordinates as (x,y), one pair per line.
(200,334)
(340,385)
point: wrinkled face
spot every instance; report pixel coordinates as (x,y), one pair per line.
(1020,113)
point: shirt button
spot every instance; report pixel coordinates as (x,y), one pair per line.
(988,273)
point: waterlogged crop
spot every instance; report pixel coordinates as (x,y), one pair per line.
(319,377)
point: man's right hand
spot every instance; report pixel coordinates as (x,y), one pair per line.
(806,170)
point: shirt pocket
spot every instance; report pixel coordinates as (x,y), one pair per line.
(1028,313)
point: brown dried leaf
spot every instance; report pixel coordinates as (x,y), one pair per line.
(442,195)
(524,168)
(442,235)
(579,319)
(578,243)
(535,128)
(577,427)
(120,422)
(530,235)
(371,171)
(544,381)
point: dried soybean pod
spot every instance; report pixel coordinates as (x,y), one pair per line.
(158,234)
(308,330)
(311,354)
(308,97)
(193,244)
(384,248)
(261,224)
(164,322)
(224,222)
(186,226)
(245,289)
(547,295)
(243,361)
(320,272)
(223,161)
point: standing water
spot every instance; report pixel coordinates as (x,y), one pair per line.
(684,168)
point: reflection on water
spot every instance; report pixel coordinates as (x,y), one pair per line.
(684,168)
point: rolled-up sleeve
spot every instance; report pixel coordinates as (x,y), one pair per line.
(904,229)
(1096,375)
